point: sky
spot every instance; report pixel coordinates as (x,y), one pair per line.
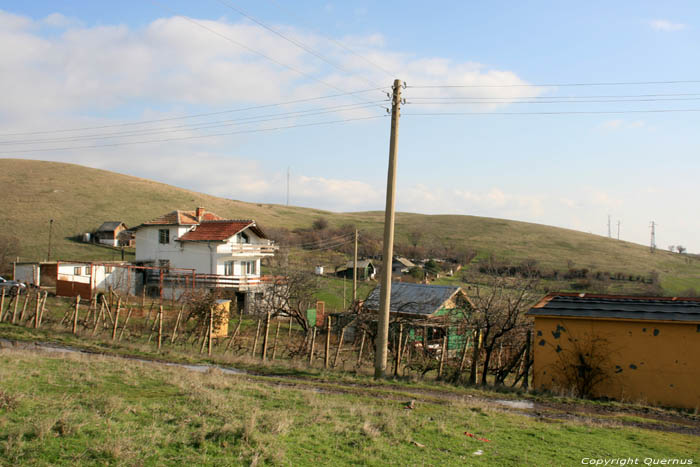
(558,113)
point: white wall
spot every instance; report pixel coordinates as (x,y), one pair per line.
(66,272)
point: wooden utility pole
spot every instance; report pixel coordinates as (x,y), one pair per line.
(382,339)
(354,274)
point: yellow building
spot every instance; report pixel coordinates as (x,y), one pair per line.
(638,349)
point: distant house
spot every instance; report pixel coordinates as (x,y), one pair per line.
(433,308)
(365,270)
(646,347)
(221,252)
(401,265)
(108,233)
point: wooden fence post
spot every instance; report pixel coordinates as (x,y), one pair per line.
(473,376)
(177,322)
(2,305)
(235,333)
(98,316)
(398,350)
(313,343)
(327,356)
(14,311)
(362,346)
(75,314)
(340,345)
(443,355)
(266,336)
(24,307)
(277,335)
(116,319)
(211,328)
(37,309)
(160,327)
(43,306)
(255,342)
(121,333)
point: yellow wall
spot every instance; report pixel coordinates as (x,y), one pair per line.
(649,362)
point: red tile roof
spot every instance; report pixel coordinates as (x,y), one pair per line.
(219,230)
(182,218)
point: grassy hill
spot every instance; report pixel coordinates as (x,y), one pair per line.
(79,199)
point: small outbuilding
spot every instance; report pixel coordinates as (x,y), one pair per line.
(109,233)
(365,270)
(641,349)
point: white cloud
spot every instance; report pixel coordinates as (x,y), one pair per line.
(665,25)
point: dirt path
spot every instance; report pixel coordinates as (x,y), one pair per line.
(547,410)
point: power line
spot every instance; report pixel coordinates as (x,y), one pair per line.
(199,126)
(389,73)
(259,130)
(581,112)
(621,83)
(606,96)
(257,52)
(463,102)
(208,114)
(297,43)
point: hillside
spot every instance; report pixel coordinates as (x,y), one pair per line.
(79,199)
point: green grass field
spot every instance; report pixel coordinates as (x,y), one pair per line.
(79,199)
(58,409)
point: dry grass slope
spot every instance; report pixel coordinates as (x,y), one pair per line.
(81,198)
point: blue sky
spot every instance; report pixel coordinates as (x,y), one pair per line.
(76,64)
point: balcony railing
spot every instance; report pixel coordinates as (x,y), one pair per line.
(265,249)
(190,281)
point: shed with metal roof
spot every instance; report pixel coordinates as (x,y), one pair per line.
(642,348)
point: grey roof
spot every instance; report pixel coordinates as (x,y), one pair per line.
(406,262)
(416,299)
(110,226)
(360,264)
(610,306)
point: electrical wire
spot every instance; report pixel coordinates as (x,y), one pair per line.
(621,83)
(190,127)
(297,43)
(208,114)
(389,73)
(582,112)
(594,101)
(257,52)
(184,138)
(559,97)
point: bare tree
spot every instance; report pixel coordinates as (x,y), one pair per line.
(499,307)
(290,293)
(584,364)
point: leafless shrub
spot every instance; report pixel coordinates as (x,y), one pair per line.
(584,364)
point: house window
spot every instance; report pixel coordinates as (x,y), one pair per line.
(228,268)
(249,267)
(87,270)
(77,270)
(164,236)
(108,269)
(243,238)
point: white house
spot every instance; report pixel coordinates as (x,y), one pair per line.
(222,252)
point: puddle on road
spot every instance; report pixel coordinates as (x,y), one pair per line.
(515,404)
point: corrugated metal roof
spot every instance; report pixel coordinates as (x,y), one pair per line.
(360,264)
(417,299)
(618,307)
(405,261)
(216,230)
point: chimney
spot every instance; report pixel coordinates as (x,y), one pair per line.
(199,214)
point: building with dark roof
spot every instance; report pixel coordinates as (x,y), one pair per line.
(645,349)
